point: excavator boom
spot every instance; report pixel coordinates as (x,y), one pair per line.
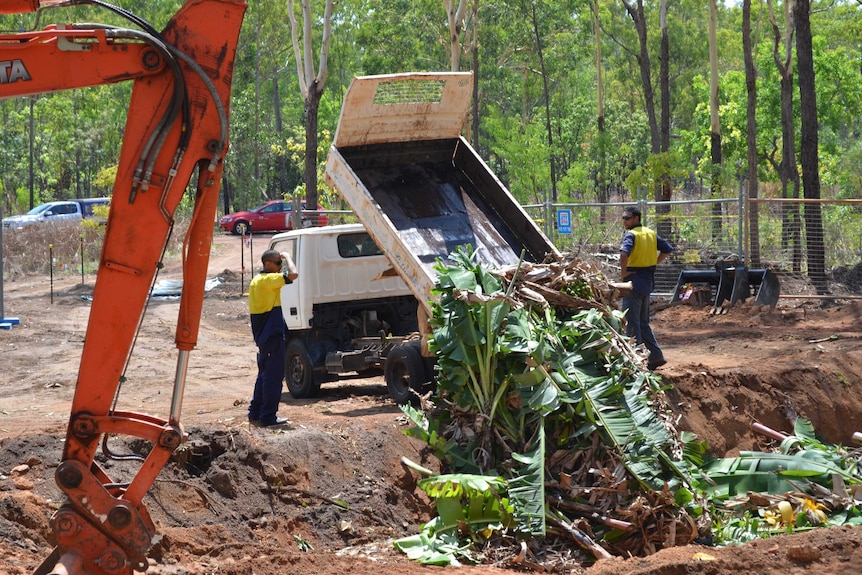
(176,129)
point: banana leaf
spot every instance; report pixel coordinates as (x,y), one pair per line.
(434,547)
(527,487)
(774,473)
(465,503)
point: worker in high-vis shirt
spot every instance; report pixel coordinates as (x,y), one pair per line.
(268,329)
(642,250)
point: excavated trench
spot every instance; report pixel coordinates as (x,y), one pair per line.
(722,406)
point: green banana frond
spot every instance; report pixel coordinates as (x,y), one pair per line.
(428,430)
(472,505)
(527,486)
(770,473)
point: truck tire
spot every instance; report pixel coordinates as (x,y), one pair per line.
(404,372)
(298,371)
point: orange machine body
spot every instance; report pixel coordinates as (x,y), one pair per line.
(176,128)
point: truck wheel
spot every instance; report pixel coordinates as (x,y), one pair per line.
(240,228)
(404,372)
(298,371)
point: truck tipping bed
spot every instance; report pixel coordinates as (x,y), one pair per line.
(418,187)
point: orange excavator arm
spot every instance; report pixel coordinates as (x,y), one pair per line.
(176,129)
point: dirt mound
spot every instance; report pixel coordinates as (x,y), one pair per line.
(232,489)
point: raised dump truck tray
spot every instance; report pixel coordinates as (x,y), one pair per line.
(399,160)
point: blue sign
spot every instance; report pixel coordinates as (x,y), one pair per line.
(564,221)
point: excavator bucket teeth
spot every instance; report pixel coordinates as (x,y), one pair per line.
(724,291)
(741,287)
(769,290)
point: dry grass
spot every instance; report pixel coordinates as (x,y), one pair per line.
(30,250)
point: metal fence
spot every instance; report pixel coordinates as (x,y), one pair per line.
(705,231)
(702,232)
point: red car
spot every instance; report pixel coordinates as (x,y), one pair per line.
(272,216)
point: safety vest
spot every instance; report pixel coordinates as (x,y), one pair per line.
(264,306)
(645,251)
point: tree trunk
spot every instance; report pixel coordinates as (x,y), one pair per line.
(714,122)
(751,91)
(810,145)
(311,86)
(226,189)
(474,49)
(281,177)
(664,193)
(258,172)
(32,148)
(639,19)
(455,16)
(601,185)
(787,169)
(547,103)
(312,105)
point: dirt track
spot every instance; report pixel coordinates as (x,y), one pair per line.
(327,495)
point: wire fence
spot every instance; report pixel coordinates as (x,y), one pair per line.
(795,238)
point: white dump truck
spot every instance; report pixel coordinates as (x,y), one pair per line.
(347,310)
(419,190)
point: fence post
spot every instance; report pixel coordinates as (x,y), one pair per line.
(251,247)
(82,259)
(51,269)
(242,263)
(744,230)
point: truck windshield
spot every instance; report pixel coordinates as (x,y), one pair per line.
(39,209)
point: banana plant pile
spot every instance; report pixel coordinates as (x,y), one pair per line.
(552,432)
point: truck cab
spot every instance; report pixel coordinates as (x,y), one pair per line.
(347,308)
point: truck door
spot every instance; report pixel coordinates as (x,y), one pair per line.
(295,316)
(62,211)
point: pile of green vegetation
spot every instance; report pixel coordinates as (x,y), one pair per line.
(551,431)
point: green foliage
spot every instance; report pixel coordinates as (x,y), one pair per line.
(471,336)
(465,503)
(97,222)
(517,384)
(658,167)
(527,375)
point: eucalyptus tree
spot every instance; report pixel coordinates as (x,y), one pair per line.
(751,132)
(401,36)
(638,16)
(456,12)
(714,120)
(640,51)
(786,167)
(809,148)
(600,111)
(312,83)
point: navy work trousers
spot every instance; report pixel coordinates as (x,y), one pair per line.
(270,380)
(637,323)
